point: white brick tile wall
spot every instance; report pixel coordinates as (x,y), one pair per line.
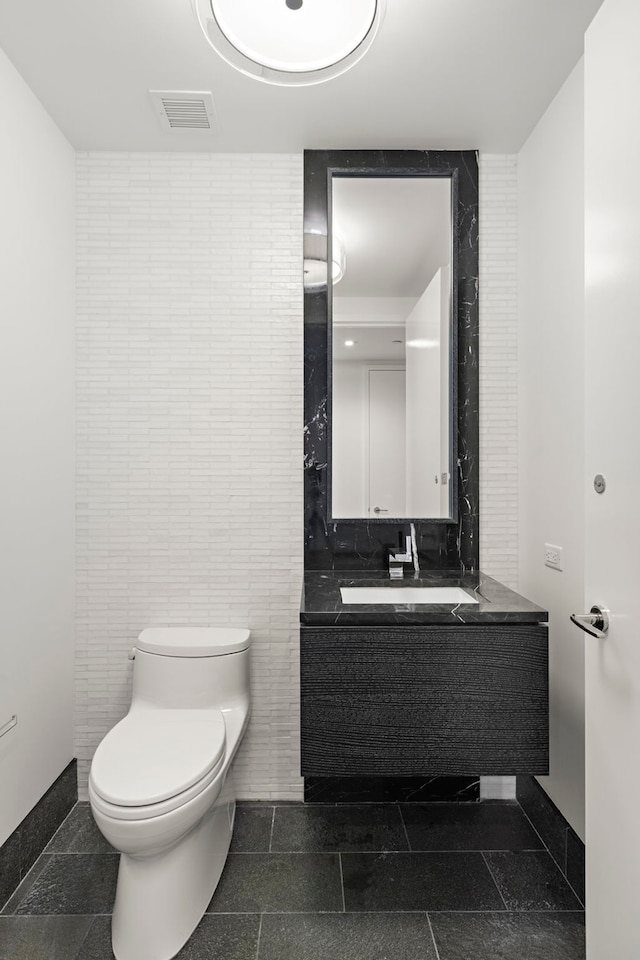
(189,422)
(499,367)
(189,428)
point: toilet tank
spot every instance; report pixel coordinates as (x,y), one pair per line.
(192,667)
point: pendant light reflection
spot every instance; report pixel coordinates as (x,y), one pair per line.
(315,260)
(290,42)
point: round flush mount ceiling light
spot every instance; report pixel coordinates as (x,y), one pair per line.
(290,42)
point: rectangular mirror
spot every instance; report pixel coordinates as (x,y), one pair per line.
(401,227)
(392,358)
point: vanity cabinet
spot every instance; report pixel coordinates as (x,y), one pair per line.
(435,699)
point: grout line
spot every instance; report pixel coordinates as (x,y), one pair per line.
(82,853)
(273,820)
(296,913)
(259,935)
(433,937)
(344,903)
(495,881)
(472,851)
(406,832)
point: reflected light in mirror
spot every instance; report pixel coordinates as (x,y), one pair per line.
(315,260)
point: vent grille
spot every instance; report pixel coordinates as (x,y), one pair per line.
(185,110)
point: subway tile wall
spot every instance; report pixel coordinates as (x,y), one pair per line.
(189,423)
(189,429)
(499,367)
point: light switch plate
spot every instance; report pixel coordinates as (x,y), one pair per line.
(553,556)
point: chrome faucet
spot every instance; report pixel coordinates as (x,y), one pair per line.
(405,553)
(398,557)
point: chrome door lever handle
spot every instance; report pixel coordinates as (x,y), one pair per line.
(595,623)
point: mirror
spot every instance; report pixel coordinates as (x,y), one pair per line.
(391,420)
(340,535)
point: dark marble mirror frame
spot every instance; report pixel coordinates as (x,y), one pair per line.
(444,543)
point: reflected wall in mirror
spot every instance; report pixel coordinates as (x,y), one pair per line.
(336,537)
(392,353)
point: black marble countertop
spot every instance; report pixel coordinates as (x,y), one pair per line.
(322,603)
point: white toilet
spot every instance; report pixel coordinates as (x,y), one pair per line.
(160,786)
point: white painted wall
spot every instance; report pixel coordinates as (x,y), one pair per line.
(551,416)
(37,199)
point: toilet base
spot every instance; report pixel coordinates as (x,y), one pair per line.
(161,899)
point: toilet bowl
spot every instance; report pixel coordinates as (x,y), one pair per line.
(161,787)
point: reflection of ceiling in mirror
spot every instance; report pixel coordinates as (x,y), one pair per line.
(396,232)
(371,324)
(363,342)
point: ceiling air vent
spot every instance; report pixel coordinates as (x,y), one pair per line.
(185,110)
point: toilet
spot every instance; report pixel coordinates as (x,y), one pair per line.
(160,786)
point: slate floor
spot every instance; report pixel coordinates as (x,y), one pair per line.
(435,881)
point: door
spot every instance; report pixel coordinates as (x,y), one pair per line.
(387,430)
(612,277)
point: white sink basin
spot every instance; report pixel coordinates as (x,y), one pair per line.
(401,595)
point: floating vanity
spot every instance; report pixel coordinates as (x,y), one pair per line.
(412,688)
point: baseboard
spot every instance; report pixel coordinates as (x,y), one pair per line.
(563,843)
(21,850)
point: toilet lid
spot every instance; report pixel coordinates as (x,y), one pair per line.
(152,755)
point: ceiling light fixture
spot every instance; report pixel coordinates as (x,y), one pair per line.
(315,260)
(290,42)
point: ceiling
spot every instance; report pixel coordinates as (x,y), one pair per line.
(449,74)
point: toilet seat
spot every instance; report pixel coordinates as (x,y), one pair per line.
(155,760)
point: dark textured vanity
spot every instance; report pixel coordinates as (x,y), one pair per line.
(405,689)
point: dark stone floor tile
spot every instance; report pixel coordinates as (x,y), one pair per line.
(215,938)
(79,834)
(9,867)
(97,945)
(544,816)
(42,938)
(469,826)
(346,936)
(337,828)
(42,822)
(278,883)
(531,881)
(509,936)
(26,884)
(73,883)
(252,829)
(418,881)
(576,863)
(223,938)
